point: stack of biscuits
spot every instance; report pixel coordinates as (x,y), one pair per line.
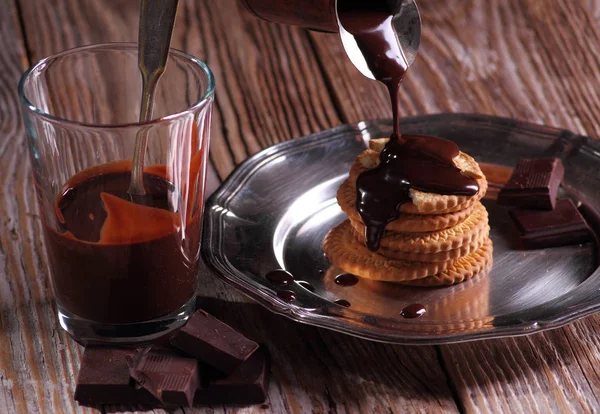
(436,240)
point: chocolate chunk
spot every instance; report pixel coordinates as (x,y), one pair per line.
(213,342)
(592,218)
(248,384)
(559,227)
(534,184)
(104,379)
(170,378)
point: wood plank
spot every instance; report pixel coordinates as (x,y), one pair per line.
(323,371)
(534,60)
(497,57)
(37,362)
(263,96)
(539,373)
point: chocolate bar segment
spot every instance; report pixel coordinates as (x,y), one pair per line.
(213,342)
(172,379)
(559,227)
(104,379)
(534,184)
(248,384)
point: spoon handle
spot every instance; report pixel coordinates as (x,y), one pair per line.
(157,18)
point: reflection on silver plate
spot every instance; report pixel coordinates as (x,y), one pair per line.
(275,209)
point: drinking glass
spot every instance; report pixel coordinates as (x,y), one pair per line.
(123,268)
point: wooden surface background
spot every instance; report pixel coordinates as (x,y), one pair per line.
(537,60)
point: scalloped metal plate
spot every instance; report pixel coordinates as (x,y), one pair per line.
(276,207)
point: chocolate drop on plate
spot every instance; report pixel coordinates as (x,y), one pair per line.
(213,342)
(104,379)
(306,286)
(417,162)
(169,377)
(287,295)
(346,279)
(280,277)
(342,302)
(413,311)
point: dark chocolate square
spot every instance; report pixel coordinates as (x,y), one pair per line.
(213,342)
(533,184)
(248,384)
(104,379)
(559,227)
(169,377)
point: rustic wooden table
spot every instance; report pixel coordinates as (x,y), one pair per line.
(537,60)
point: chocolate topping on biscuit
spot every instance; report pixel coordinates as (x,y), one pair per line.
(414,162)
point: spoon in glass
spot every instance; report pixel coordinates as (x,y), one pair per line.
(157,19)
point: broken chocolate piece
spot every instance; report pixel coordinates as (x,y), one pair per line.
(248,384)
(559,227)
(104,379)
(170,378)
(534,184)
(213,342)
(592,218)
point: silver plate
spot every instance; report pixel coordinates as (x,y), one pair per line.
(275,209)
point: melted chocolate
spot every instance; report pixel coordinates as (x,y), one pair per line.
(346,279)
(418,162)
(306,286)
(373,29)
(280,277)
(287,295)
(413,162)
(342,302)
(413,311)
(118,262)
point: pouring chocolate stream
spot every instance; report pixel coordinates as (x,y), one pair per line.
(407,162)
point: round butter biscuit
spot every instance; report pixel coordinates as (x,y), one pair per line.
(436,241)
(406,223)
(438,256)
(429,203)
(346,252)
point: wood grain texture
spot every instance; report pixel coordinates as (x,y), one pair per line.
(263,97)
(527,59)
(535,60)
(36,369)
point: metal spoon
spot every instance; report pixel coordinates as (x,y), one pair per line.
(157,18)
(407,25)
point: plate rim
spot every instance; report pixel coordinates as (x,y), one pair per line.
(217,262)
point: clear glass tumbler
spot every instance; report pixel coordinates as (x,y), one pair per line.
(123,268)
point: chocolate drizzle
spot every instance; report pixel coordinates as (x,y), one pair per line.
(417,162)
(372,26)
(412,162)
